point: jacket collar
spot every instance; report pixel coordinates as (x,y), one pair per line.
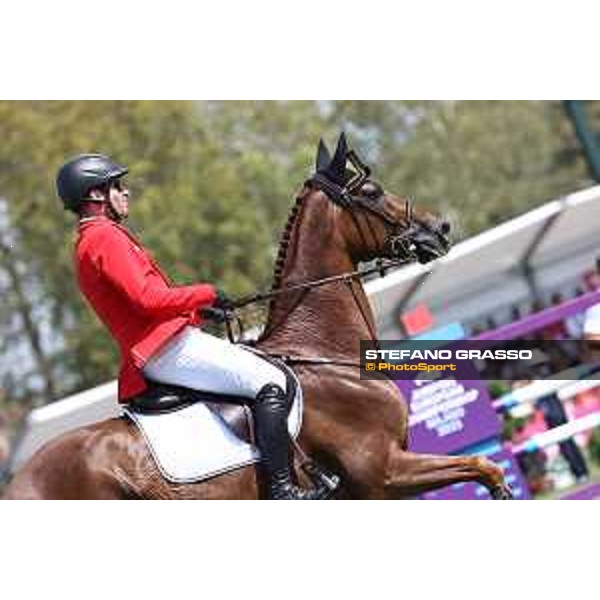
(101,220)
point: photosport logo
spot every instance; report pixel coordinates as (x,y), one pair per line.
(460,359)
(390,366)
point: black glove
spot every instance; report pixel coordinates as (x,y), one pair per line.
(223,302)
(216,315)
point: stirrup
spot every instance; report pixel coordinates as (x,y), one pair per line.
(325,483)
(289,491)
(281,486)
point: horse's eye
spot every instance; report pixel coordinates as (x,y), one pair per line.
(372,190)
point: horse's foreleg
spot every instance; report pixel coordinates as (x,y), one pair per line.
(409,474)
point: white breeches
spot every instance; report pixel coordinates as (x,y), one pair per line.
(200,361)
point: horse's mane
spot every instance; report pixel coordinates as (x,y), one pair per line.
(284,244)
(285,240)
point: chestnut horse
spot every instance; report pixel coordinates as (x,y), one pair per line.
(355,428)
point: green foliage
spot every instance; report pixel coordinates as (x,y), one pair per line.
(212,183)
(594,446)
(497,389)
(511,425)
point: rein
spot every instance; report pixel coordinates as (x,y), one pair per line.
(381,266)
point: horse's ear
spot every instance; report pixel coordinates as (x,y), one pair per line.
(337,168)
(323,156)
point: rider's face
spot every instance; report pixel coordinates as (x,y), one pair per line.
(118,197)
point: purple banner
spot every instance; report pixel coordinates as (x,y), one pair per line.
(473,491)
(540,319)
(590,492)
(447,415)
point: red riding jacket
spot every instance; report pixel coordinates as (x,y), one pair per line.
(132,296)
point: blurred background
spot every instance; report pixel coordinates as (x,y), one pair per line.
(212,183)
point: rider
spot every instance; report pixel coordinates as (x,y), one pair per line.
(156,324)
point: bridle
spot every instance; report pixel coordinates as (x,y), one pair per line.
(396,244)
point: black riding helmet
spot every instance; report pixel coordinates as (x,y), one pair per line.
(82,173)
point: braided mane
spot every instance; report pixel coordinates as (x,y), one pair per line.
(285,241)
(284,244)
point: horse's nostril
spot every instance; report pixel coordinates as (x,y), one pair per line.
(445,227)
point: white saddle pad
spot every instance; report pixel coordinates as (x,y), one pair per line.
(195,443)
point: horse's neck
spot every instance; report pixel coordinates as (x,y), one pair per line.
(325,319)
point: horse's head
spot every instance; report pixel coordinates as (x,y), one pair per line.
(374,223)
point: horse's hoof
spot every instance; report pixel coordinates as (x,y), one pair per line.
(502,492)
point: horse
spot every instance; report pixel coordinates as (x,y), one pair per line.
(353,427)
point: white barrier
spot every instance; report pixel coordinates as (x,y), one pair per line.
(558,434)
(571,385)
(577,387)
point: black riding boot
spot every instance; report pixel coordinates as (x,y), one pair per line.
(271,412)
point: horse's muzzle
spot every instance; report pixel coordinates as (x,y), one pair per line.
(431,243)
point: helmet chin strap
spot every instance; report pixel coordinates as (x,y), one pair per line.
(112,214)
(108,209)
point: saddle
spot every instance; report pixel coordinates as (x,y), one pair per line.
(195,435)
